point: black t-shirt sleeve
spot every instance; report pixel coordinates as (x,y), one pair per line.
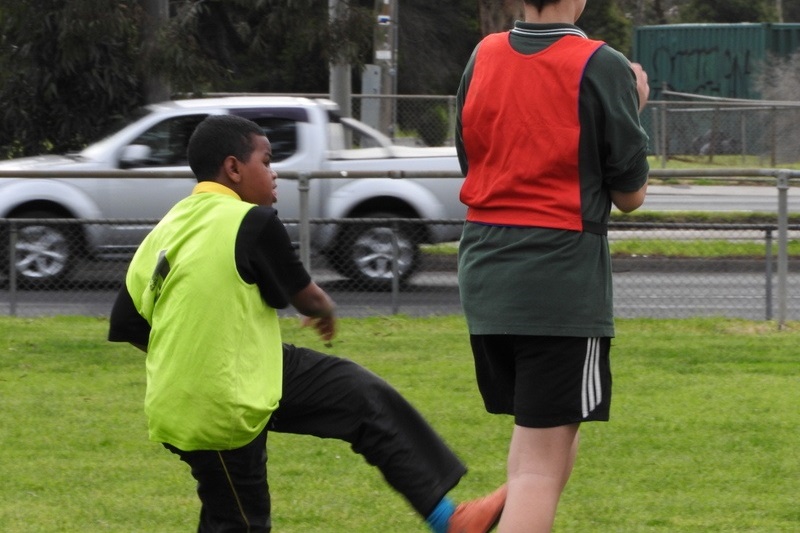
(126,324)
(265,256)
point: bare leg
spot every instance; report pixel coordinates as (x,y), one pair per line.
(540,461)
(571,460)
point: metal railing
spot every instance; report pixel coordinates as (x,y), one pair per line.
(710,130)
(681,126)
(433,286)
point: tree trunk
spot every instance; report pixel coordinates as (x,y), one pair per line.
(156,88)
(498,15)
(639,17)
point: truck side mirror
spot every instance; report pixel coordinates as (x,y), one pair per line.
(135,155)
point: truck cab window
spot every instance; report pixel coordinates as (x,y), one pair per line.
(167,142)
(282,134)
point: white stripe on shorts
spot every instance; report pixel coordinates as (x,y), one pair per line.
(591,389)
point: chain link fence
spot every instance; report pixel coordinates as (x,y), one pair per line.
(660,270)
(692,128)
(383,266)
(413,120)
(686,270)
(708,130)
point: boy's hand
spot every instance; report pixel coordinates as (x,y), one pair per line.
(325,326)
(642,87)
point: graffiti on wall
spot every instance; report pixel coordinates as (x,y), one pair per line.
(712,71)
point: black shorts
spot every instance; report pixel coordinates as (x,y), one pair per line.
(544,381)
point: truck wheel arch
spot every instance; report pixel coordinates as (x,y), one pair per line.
(373,253)
(404,197)
(45,252)
(49,209)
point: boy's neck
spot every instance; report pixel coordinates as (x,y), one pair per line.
(565,12)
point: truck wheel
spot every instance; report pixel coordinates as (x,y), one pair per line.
(366,252)
(44,252)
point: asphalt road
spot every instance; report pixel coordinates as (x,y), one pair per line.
(718,198)
(644,288)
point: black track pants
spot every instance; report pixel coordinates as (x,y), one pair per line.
(335,398)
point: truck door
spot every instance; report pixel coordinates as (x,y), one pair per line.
(161,147)
(281,126)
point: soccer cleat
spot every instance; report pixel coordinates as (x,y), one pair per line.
(478,516)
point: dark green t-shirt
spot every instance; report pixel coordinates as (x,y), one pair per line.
(539,281)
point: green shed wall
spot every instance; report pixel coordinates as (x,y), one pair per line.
(710,59)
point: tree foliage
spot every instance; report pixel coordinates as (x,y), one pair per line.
(271,45)
(791,10)
(728,11)
(651,12)
(279,46)
(65,71)
(433,53)
(603,19)
(70,68)
(496,16)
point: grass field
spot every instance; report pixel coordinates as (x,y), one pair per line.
(693,162)
(707,249)
(704,433)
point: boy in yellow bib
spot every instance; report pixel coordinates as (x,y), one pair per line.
(200,298)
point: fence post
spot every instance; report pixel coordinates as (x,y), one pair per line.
(12,268)
(783,243)
(304,186)
(451,118)
(714,135)
(768,271)
(743,133)
(773,133)
(395,269)
(664,140)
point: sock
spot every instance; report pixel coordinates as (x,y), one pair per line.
(440,516)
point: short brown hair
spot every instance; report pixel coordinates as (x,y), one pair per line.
(540,4)
(217,137)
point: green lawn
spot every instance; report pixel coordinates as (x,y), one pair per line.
(706,249)
(692,162)
(652,247)
(704,433)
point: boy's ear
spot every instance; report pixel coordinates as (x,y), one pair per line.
(230,168)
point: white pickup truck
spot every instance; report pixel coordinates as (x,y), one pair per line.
(307,135)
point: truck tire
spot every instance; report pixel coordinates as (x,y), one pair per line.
(45,253)
(365,252)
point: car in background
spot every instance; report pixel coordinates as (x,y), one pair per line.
(307,135)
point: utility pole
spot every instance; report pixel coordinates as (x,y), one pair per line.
(340,84)
(779,7)
(386,58)
(381,77)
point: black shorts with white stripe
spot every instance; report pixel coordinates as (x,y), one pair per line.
(544,381)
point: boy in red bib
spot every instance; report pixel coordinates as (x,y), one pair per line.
(548,136)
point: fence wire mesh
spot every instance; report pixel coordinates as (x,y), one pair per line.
(414,120)
(49,266)
(723,132)
(660,270)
